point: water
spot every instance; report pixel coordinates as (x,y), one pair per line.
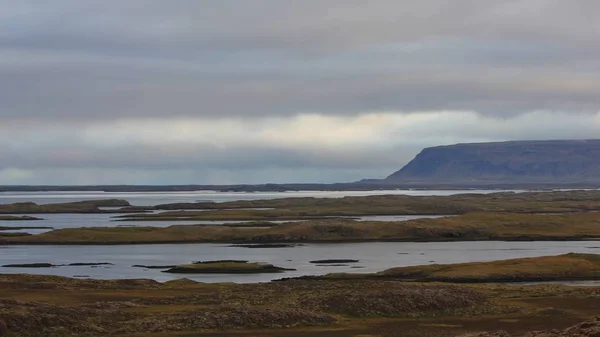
(373,256)
(155,198)
(60,221)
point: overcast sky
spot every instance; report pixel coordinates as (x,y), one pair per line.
(237,91)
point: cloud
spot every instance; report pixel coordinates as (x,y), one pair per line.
(234,91)
(303,148)
(107,59)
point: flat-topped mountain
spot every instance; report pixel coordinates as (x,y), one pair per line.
(553,161)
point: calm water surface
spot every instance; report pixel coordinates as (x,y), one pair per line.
(58,221)
(373,256)
(155,198)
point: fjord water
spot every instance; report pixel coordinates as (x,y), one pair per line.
(58,221)
(155,198)
(372,256)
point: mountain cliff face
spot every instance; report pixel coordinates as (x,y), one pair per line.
(556,161)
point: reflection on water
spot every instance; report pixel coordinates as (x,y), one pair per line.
(155,198)
(59,221)
(373,256)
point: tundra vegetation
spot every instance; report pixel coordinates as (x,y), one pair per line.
(91,206)
(317,208)
(566,267)
(468,227)
(309,208)
(430,300)
(380,305)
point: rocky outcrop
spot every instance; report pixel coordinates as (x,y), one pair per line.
(557,161)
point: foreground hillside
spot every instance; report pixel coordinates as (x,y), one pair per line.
(56,306)
(557,161)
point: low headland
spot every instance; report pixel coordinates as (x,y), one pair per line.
(89,206)
(467,227)
(566,267)
(317,208)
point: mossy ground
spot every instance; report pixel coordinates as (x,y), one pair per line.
(546,268)
(90,206)
(311,208)
(468,227)
(55,306)
(307,208)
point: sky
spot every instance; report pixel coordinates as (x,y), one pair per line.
(235,91)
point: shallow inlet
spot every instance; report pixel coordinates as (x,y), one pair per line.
(372,256)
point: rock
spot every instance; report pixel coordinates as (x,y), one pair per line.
(3,328)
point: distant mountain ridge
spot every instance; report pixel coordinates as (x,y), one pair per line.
(551,161)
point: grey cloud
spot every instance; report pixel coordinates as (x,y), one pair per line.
(110,59)
(106,93)
(68,64)
(200,157)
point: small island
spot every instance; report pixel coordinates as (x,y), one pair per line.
(566,267)
(225,267)
(18,218)
(50,265)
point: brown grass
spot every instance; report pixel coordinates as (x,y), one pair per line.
(548,268)
(305,208)
(55,306)
(478,226)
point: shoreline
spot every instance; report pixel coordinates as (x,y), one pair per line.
(468,227)
(225,242)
